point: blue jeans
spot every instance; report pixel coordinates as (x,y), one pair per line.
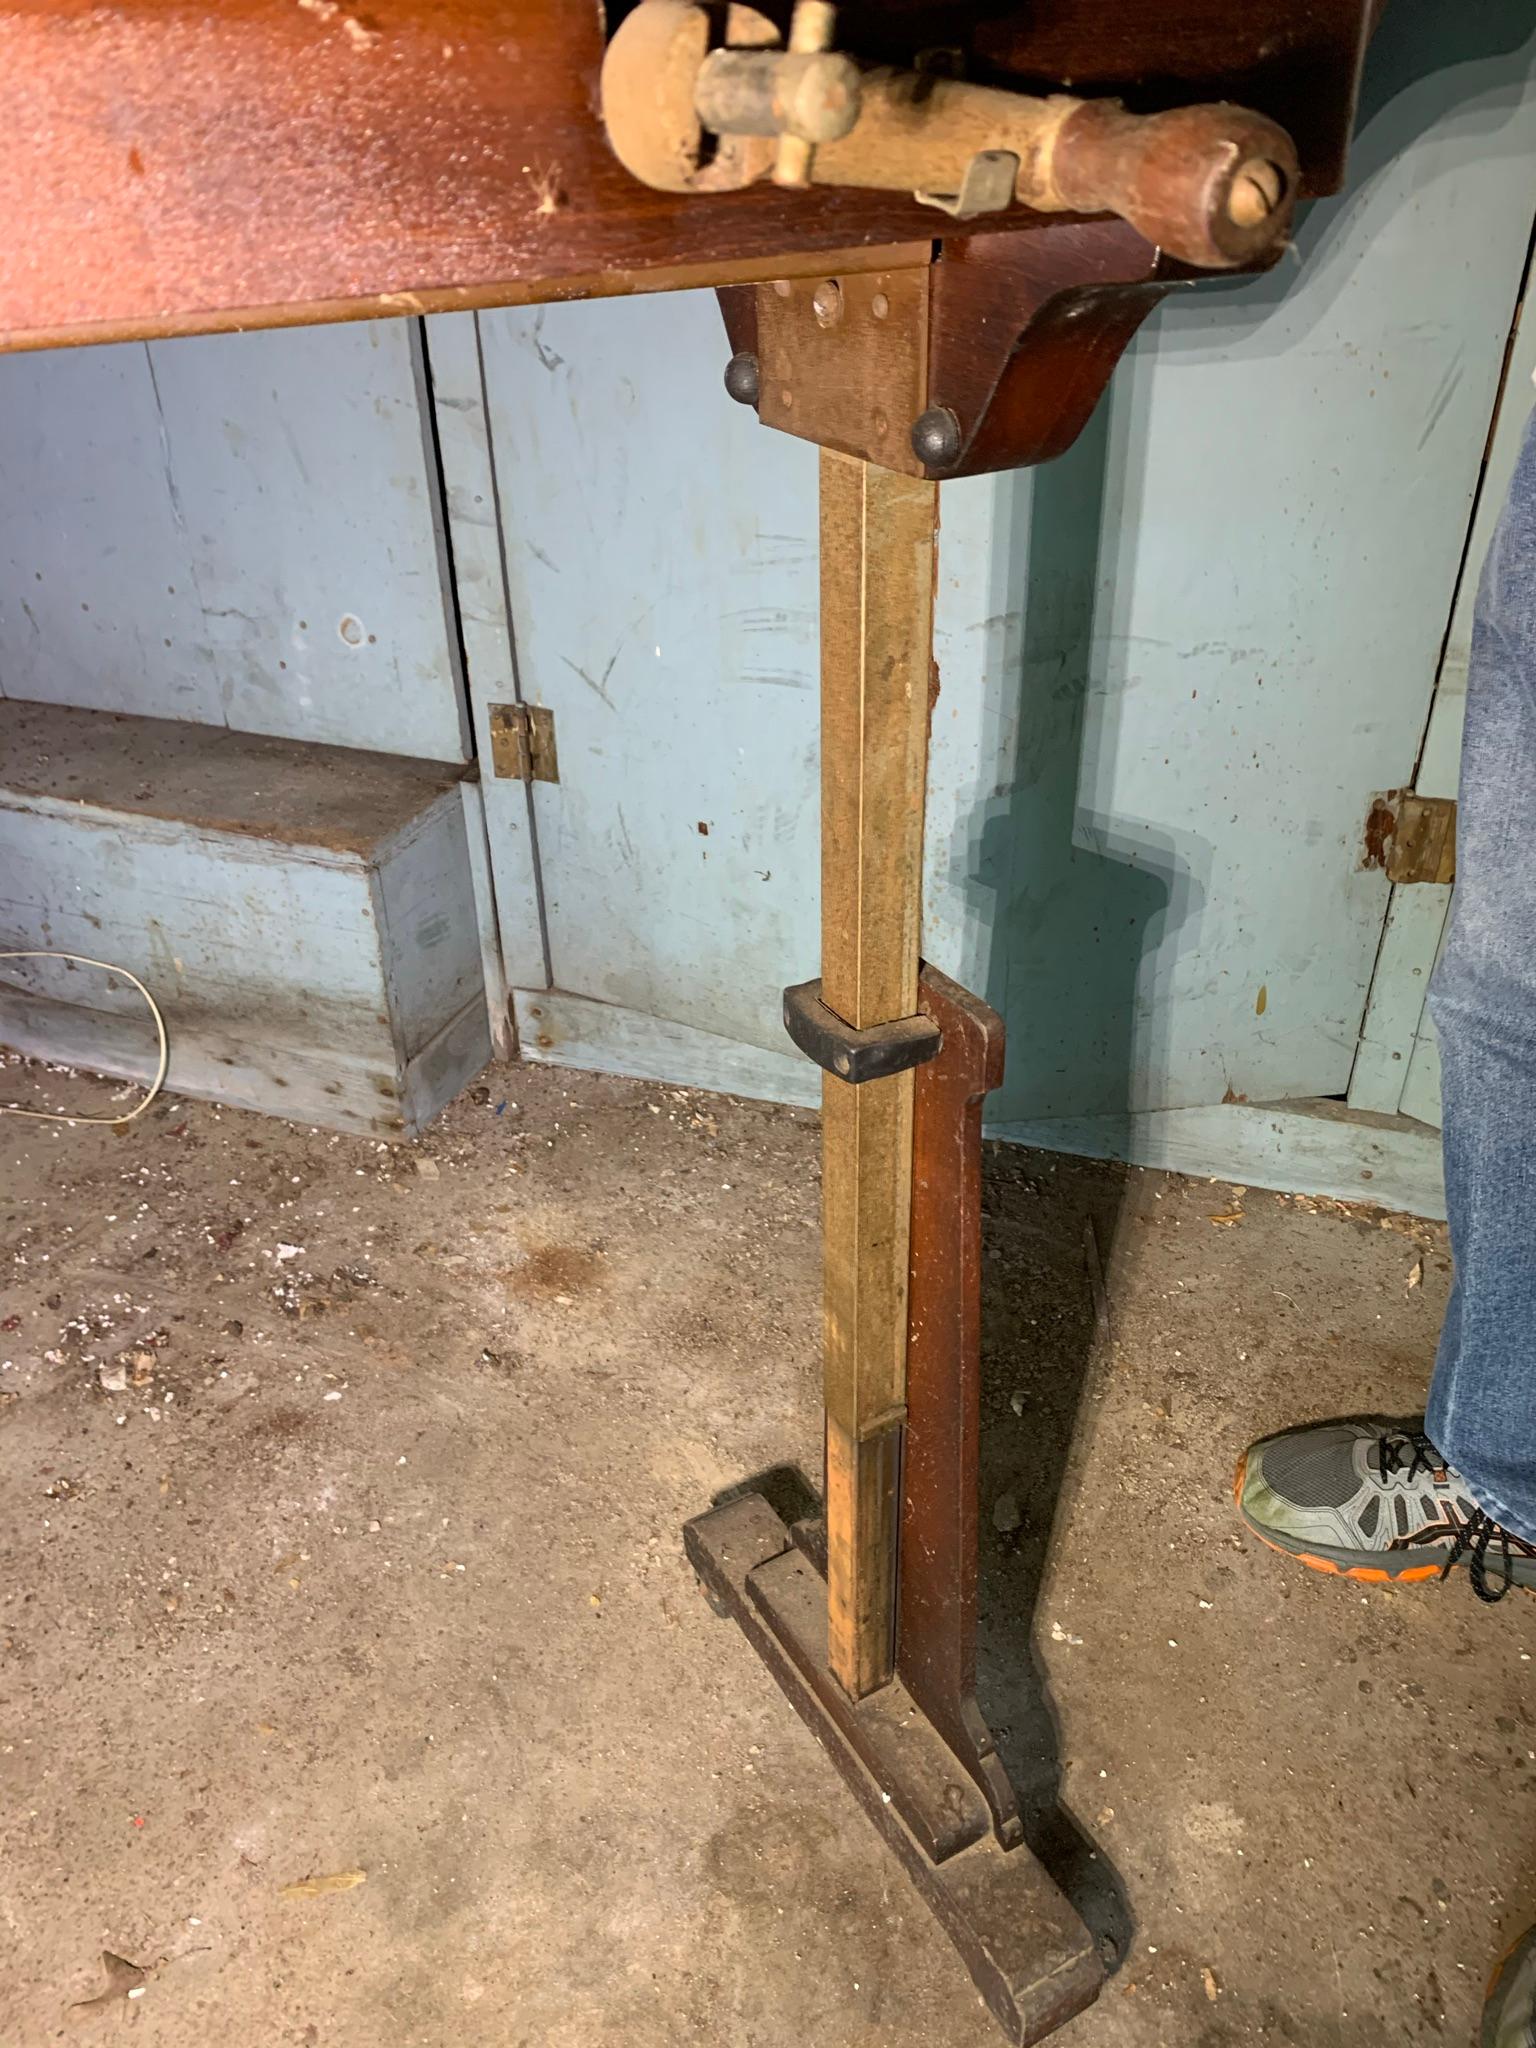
(1482,1403)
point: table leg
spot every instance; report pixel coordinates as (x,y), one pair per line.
(878,548)
(936,1607)
(901,1180)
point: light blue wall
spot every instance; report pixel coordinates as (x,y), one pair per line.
(1175,665)
(661,556)
(237,530)
(1288,475)
(242,534)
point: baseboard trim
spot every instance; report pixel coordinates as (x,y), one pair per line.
(1316,1148)
(1296,1147)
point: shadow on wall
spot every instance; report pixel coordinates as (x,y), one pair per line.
(1082,900)
(1076,909)
(1077,905)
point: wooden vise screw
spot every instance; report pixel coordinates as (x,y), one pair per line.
(1214,186)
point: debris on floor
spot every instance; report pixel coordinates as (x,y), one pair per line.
(124,1980)
(343,1485)
(318,1887)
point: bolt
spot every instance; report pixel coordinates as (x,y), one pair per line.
(1256,191)
(827,302)
(879,305)
(741,377)
(936,438)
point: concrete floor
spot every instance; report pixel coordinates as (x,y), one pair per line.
(365,1560)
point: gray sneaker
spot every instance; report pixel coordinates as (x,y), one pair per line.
(1509,2017)
(1375,1501)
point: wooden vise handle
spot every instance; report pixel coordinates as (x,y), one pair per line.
(1213,185)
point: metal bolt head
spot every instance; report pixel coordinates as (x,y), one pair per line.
(741,378)
(936,438)
(1257,189)
(827,302)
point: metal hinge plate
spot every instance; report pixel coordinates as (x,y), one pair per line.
(1413,837)
(523,743)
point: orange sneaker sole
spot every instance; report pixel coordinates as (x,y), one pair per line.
(1365,1574)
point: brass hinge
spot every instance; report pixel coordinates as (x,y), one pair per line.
(523,743)
(1413,837)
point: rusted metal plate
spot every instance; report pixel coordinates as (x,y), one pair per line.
(1013,335)
(1413,837)
(175,167)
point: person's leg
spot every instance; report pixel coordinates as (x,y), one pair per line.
(1482,1403)
(1400,1500)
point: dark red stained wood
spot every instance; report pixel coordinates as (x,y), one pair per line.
(1297,61)
(1025,330)
(936,1591)
(738,309)
(169,164)
(1029,1955)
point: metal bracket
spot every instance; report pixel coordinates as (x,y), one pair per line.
(987,187)
(523,743)
(856,1056)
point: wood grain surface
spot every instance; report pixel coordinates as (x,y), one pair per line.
(171,166)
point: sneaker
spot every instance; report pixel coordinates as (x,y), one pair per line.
(1509,2017)
(1375,1501)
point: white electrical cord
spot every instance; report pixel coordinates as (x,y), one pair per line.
(59,1116)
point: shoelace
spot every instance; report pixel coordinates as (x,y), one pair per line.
(1473,1539)
(1417,1448)
(1412,1453)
